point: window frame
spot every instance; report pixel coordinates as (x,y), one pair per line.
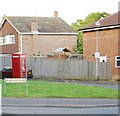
(8,39)
(116,59)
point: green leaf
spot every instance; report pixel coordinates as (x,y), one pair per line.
(91,18)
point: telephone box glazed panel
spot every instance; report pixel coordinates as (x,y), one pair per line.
(19,65)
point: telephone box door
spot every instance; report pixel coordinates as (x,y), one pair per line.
(19,65)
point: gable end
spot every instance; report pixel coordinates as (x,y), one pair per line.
(5,19)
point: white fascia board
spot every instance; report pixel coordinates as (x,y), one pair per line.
(9,23)
(100,28)
(2,23)
(38,33)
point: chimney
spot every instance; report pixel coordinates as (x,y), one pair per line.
(3,17)
(55,13)
(34,26)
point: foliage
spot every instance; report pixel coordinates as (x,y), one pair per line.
(79,49)
(91,18)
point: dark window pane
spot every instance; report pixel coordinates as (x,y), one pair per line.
(118,63)
(118,57)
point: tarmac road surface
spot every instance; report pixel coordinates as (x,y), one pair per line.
(54,110)
(59,106)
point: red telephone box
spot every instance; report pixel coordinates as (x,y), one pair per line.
(19,65)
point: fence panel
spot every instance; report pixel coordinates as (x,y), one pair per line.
(5,62)
(70,69)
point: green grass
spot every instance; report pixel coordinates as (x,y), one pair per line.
(45,89)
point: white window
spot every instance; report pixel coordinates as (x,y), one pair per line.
(8,39)
(12,39)
(1,40)
(117,61)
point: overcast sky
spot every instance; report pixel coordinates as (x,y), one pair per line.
(69,10)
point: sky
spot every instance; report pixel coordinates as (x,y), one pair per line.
(68,10)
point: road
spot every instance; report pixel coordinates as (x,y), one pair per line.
(57,110)
(59,106)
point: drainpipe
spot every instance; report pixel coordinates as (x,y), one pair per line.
(20,42)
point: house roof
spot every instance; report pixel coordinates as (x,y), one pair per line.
(45,24)
(112,20)
(62,49)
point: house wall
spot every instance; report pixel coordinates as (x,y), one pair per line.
(108,45)
(7,29)
(43,44)
(33,44)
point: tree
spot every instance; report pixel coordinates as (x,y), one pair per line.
(91,18)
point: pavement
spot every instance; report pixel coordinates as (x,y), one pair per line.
(58,102)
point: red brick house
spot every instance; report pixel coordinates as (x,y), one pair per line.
(35,35)
(108,41)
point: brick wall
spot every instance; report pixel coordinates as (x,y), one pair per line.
(108,45)
(7,29)
(32,44)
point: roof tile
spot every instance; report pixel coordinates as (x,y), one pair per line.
(45,24)
(111,20)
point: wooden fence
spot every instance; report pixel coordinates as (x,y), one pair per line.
(64,69)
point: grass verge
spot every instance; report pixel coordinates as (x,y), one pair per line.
(46,89)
